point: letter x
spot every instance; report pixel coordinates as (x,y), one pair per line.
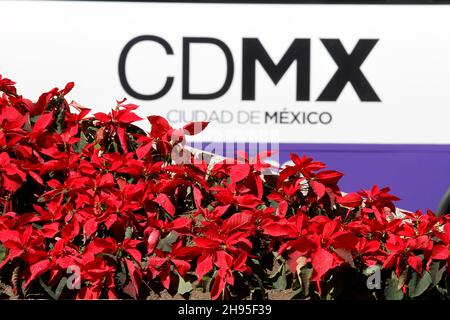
(348,70)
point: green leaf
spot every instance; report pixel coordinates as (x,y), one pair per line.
(184,287)
(305,276)
(34,119)
(281,281)
(166,243)
(3,253)
(256,262)
(276,273)
(273,204)
(419,284)
(78,147)
(436,273)
(59,120)
(128,232)
(392,290)
(111,256)
(402,278)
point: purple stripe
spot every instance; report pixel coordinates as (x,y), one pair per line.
(368,147)
(418,174)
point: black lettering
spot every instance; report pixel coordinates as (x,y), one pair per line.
(298,51)
(348,70)
(186,70)
(271,117)
(122,62)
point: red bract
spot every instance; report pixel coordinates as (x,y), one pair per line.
(12,177)
(113,124)
(351,200)
(163,264)
(7,86)
(379,198)
(442,251)
(401,252)
(217,244)
(101,196)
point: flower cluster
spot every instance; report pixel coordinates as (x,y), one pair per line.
(100,195)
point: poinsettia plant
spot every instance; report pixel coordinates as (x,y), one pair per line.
(94,207)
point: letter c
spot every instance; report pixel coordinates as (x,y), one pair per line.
(122,74)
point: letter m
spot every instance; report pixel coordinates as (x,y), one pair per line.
(298,51)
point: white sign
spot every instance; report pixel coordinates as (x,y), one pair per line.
(283,73)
